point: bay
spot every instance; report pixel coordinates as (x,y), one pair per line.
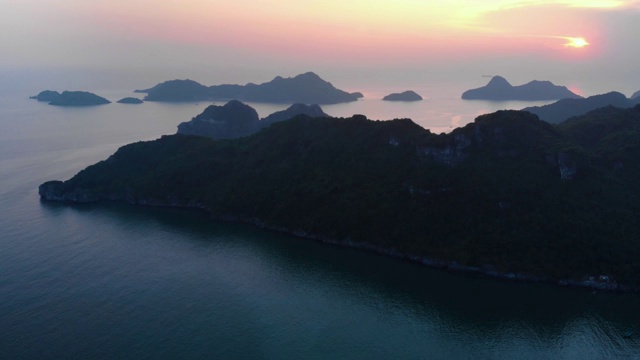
(115,281)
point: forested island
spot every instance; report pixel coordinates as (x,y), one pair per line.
(130,100)
(403,96)
(70,98)
(499,89)
(307,88)
(509,195)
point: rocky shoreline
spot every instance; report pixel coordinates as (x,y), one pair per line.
(596,282)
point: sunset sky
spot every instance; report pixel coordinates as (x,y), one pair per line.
(254,40)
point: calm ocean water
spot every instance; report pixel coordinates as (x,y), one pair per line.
(118,282)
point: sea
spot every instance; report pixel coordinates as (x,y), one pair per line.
(115,281)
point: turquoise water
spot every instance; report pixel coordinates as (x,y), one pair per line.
(118,282)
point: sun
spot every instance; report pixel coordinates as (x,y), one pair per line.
(576,42)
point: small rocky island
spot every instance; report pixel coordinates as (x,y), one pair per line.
(235,119)
(130,100)
(46,96)
(509,195)
(70,98)
(564,109)
(499,89)
(307,88)
(403,96)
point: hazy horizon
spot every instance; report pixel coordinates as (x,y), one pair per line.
(369,46)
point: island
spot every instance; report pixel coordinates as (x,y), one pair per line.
(130,100)
(636,95)
(509,195)
(358,95)
(46,96)
(564,109)
(403,96)
(499,89)
(307,88)
(78,98)
(235,119)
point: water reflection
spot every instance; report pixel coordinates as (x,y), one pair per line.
(321,283)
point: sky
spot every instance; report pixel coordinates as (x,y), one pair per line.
(353,43)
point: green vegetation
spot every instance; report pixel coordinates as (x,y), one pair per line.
(508,193)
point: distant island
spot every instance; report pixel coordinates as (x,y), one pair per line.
(564,109)
(508,196)
(403,96)
(499,89)
(70,98)
(307,88)
(636,95)
(130,100)
(46,96)
(357,94)
(235,119)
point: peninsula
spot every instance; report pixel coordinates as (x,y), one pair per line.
(508,195)
(307,88)
(499,89)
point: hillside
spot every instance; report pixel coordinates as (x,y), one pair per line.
(564,109)
(508,194)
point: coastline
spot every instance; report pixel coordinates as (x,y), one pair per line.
(594,283)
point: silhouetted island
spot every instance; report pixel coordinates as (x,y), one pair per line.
(130,100)
(78,98)
(236,119)
(509,195)
(403,96)
(636,95)
(499,89)
(357,94)
(307,88)
(563,109)
(46,95)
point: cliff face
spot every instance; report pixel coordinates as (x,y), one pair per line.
(499,89)
(509,191)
